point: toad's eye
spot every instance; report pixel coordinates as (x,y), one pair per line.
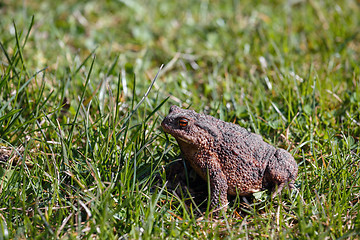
(183,122)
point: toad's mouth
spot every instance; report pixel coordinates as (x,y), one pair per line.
(180,138)
(184,140)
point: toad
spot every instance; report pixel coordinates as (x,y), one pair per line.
(234,160)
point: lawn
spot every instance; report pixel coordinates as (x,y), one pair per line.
(83,93)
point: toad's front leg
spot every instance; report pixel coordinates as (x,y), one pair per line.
(219,189)
(208,167)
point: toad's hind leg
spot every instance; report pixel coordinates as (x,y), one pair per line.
(281,171)
(277,189)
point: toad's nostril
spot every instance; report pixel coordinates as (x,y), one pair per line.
(163,122)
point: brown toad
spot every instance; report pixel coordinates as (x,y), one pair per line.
(235,160)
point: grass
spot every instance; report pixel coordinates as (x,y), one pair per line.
(83,155)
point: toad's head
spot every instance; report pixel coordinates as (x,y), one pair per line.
(189,128)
